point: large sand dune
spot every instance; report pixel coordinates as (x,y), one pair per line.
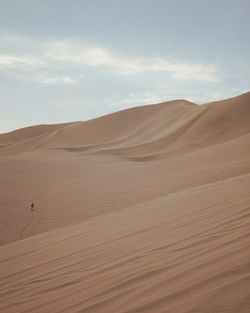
(143,210)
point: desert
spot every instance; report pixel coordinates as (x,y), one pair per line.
(142,210)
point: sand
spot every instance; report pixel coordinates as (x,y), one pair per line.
(143,210)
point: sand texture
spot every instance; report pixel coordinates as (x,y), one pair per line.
(143,210)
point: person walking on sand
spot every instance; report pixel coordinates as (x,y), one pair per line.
(32,207)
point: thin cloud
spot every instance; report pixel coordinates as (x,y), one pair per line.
(16,61)
(70,54)
(107,60)
(57,80)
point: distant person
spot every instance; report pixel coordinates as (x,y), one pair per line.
(32,207)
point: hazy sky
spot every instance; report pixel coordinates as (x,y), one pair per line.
(67,60)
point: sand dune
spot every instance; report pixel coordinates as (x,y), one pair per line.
(143,210)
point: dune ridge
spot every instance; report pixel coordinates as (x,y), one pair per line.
(142,210)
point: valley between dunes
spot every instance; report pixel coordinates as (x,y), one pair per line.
(143,210)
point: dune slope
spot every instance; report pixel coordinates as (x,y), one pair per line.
(186,252)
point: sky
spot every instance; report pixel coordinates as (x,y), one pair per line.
(72,60)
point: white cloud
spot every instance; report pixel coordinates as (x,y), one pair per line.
(72,53)
(101,58)
(16,61)
(57,80)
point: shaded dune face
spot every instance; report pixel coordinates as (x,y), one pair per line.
(143,210)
